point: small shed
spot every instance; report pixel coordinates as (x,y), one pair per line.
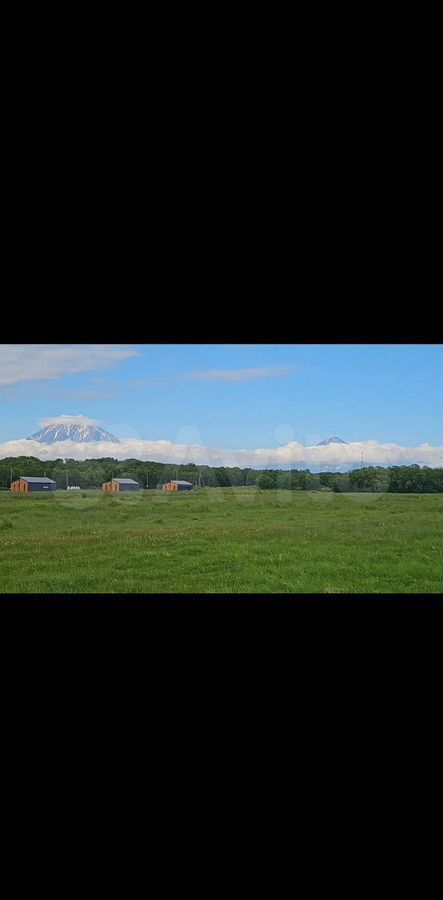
(121,484)
(178,486)
(33,485)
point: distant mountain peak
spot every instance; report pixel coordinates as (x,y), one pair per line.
(331,440)
(81,434)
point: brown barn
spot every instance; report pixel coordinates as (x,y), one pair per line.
(121,484)
(33,485)
(178,486)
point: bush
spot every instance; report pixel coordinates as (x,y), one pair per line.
(268,481)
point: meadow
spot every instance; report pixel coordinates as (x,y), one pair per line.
(216,540)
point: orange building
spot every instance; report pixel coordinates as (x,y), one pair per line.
(178,486)
(32,485)
(121,484)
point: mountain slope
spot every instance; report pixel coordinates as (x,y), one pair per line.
(331,440)
(79,433)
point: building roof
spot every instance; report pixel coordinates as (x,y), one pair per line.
(125,481)
(189,483)
(37,480)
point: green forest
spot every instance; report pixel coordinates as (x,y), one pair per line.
(91,473)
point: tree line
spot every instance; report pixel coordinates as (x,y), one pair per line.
(91,473)
(392,479)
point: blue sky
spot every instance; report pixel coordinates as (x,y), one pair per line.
(228,396)
(387,393)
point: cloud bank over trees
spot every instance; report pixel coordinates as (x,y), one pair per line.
(290,455)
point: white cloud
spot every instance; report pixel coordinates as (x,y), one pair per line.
(290,455)
(69,420)
(240,374)
(36,362)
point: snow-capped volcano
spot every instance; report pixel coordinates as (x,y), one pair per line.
(79,433)
(331,440)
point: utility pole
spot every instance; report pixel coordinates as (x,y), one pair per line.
(361,461)
(67,480)
(11,477)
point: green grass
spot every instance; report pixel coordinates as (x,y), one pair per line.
(221,540)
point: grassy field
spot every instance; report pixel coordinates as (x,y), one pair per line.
(221,540)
